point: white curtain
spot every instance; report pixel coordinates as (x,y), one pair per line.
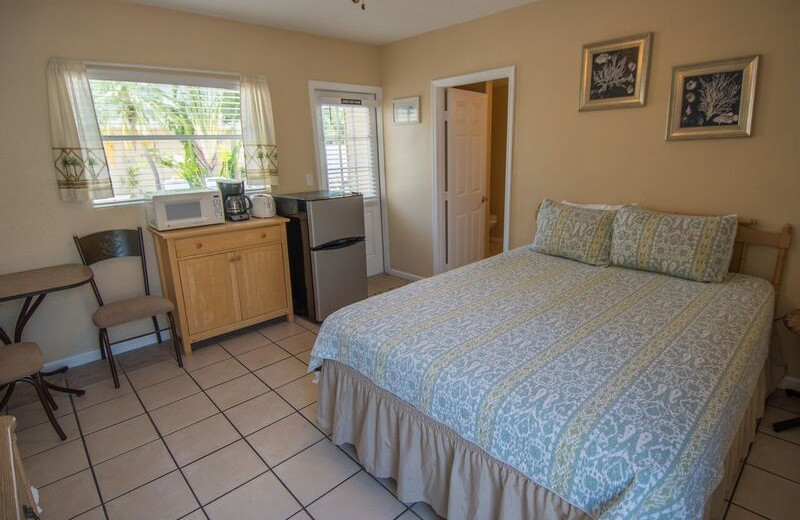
(258,133)
(80,162)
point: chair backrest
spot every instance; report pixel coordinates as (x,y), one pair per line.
(109,244)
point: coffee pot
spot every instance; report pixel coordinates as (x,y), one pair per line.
(235,203)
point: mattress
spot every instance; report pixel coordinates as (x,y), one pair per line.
(618,391)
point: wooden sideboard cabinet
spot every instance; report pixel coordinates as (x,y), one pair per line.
(225,277)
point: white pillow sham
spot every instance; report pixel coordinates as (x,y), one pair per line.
(606,207)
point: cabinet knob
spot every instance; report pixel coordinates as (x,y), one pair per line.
(263,235)
(199,245)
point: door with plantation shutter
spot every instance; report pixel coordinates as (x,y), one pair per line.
(347,140)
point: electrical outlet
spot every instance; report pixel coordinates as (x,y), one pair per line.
(309,179)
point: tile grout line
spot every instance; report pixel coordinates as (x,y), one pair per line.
(86,452)
(742,507)
(781,408)
(313,424)
(747,463)
(326,436)
(166,446)
(160,438)
(774,436)
(135,391)
(299,411)
(269,468)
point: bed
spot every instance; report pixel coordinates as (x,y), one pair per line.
(528,384)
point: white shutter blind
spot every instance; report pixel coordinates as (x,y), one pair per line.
(159,135)
(350,152)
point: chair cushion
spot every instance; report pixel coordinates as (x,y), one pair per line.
(130,309)
(19,360)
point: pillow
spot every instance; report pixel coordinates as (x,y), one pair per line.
(607,207)
(697,248)
(572,232)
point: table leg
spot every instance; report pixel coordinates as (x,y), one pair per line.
(25,314)
(28,308)
(4,337)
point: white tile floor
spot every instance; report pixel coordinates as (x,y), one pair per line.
(232,436)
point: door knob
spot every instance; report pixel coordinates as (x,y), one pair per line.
(483,199)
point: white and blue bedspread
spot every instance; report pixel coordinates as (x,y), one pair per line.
(618,390)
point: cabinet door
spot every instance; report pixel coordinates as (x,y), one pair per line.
(262,286)
(210,292)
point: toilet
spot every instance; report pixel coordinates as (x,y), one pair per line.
(492,220)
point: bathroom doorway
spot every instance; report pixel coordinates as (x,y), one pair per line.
(472,136)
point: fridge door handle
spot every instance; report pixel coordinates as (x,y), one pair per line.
(338,244)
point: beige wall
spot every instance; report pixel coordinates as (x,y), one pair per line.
(605,156)
(36,228)
(611,155)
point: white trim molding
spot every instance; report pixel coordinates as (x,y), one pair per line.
(94,354)
(404,275)
(438,87)
(790,382)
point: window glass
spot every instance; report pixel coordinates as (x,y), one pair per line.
(349,137)
(160,136)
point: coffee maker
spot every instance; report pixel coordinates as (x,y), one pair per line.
(235,203)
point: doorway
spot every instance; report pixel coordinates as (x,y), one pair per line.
(473,136)
(348,132)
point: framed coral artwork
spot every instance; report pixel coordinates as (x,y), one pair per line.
(713,99)
(614,73)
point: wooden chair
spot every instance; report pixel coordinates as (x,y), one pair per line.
(22,363)
(18,501)
(120,243)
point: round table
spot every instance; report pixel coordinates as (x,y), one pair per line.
(33,286)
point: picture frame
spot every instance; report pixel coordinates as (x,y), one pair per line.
(712,99)
(405,111)
(614,73)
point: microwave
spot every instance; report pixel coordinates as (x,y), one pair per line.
(176,210)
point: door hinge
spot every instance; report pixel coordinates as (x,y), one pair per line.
(446,115)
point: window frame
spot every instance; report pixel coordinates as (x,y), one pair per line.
(160,75)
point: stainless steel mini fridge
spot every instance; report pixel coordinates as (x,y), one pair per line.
(327,254)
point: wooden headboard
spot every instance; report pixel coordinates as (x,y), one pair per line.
(747,236)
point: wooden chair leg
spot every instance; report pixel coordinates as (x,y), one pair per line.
(110,355)
(7,396)
(175,343)
(37,383)
(100,344)
(158,329)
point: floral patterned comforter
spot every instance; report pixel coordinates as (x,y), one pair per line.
(618,390)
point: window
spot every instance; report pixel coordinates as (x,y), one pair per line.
(166,131)
(349,145)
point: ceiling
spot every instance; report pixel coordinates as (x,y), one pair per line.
(382,21)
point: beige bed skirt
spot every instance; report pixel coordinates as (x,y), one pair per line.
(433,464)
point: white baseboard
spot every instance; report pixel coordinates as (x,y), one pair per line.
(790,382)
(94,354)
(403,274)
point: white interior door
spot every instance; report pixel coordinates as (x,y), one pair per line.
(347,140)
(465,190)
